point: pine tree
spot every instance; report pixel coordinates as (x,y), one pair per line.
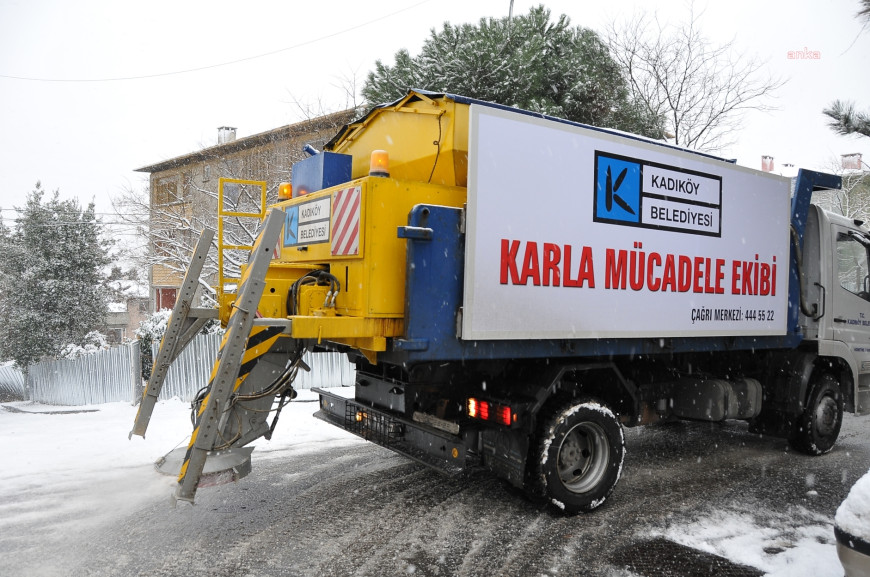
(844,118)
(526,62)
(52,289)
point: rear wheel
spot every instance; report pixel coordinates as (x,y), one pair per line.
(578,456)
(818,427)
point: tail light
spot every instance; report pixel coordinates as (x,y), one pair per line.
(503,415)
(493,412)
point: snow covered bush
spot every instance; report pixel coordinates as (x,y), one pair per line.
(93,342)
(152,329)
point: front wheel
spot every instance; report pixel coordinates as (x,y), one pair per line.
(818,427)
(578,456)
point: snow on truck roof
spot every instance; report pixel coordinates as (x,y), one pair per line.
(416,94)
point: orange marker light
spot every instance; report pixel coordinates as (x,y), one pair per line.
(285,191)
(380,163)
(472,408)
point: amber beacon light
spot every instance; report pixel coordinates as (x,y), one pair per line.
(380,163)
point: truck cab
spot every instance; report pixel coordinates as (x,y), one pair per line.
(836,259)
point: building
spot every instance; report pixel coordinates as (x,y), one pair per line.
(183,194)
(126,311)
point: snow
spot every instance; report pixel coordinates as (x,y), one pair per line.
(51,454)
(853,515)
(70,470)
(129,288)
(782,544)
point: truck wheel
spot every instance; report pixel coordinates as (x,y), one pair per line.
(818,427)
(578,456)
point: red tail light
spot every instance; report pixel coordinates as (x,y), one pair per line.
(486,411)
(503,415)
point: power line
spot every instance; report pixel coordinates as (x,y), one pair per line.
(222,64)
(132,214)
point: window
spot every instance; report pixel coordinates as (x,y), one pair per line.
(115,336)
(165,191)
(852,266)
(165,298)
(186,183)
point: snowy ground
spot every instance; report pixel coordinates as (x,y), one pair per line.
(51,452)
(66,474)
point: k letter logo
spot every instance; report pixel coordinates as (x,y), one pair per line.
(291,226)
(617,189)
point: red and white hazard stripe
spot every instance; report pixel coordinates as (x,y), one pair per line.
(345,221)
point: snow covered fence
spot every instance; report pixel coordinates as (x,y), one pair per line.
(11,382)
(192,369)
(113,375)
(102,377)
(327,370)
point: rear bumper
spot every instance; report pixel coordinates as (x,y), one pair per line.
(422,443)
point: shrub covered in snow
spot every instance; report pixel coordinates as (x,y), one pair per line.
(152,329)
(93,342)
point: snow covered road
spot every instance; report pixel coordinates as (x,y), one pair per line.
(78,498)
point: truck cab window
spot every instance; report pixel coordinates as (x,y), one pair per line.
(852,266)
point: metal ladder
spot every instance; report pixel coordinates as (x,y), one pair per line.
(184,323)
(225,376)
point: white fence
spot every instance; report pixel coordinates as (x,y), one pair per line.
(192,369)
(11,383)
(102,377)
(114,375)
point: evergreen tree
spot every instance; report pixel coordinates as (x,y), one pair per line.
(52,290)
(844,118)
(526,62)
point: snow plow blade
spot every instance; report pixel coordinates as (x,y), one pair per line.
(220,467)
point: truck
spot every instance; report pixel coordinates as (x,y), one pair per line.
(515,289)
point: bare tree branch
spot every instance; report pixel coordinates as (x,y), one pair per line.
(852,200)
(701,89)
(170,219)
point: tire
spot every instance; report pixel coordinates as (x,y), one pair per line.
(818,427)
(577,457)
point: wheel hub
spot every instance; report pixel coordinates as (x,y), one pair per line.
(826,416)
(583,457)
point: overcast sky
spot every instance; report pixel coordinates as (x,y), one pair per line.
(92,89)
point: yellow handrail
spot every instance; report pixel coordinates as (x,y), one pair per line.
(222,214)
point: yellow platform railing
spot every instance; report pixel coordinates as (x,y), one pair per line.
(223,214)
